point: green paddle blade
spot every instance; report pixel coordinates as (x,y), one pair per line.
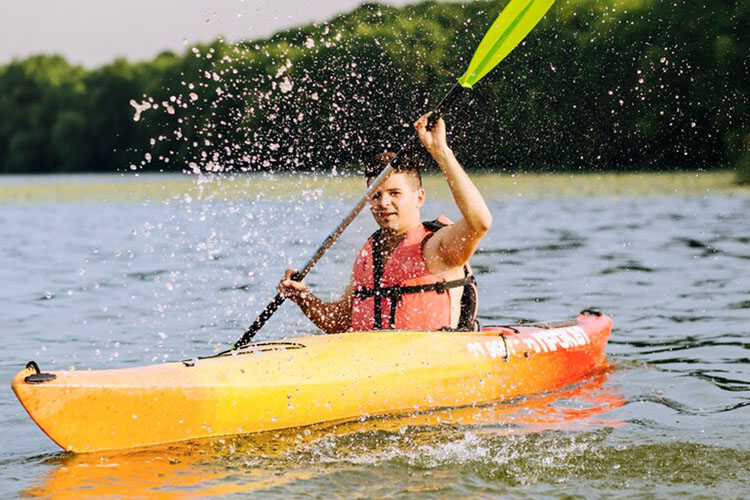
(511,26)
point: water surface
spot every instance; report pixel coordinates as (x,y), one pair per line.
(158,277)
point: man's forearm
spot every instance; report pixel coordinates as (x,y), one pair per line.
(468,198)
(331,317)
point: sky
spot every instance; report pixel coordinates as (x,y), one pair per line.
(94,32)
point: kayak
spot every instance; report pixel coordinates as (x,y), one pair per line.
(303,381)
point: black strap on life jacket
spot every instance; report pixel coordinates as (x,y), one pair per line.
(467,318)
(377,274)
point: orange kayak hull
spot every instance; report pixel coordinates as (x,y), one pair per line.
(309,380)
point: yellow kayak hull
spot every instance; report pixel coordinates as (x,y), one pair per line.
(308,380)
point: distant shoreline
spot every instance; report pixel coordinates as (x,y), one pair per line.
(166,187)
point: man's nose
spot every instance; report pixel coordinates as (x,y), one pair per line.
(384,200)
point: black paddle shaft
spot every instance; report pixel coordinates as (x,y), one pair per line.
(445,103)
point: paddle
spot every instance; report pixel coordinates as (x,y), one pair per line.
(511,26)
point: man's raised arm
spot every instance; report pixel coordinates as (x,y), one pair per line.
(455,244)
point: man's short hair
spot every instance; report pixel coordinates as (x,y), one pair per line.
(404,164)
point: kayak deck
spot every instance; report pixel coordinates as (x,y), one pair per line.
(308,380)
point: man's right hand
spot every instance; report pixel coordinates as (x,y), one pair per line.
(296,291)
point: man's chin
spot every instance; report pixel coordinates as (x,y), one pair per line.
(388,225)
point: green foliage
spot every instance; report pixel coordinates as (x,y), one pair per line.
(69,142)
(742,167)
(598,85)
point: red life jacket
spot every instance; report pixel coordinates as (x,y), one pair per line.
(402,293)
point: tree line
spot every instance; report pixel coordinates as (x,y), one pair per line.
(598,85)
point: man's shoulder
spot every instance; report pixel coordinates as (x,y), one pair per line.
(437,224)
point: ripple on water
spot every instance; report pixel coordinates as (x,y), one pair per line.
(449,461)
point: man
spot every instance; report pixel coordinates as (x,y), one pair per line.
(408,275)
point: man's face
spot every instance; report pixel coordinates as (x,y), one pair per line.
(395,204)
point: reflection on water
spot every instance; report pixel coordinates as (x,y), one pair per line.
(282,460)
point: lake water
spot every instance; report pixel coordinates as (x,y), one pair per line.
(147,279)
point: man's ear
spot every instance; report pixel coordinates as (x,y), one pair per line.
(421,197)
